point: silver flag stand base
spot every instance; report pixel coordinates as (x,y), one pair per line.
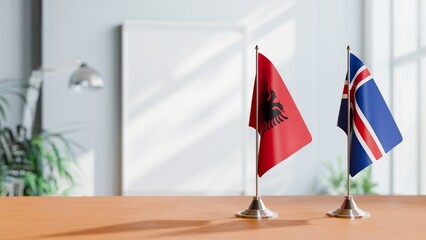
(257,209)
(348,209)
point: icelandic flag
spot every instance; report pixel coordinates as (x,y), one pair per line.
(373,129)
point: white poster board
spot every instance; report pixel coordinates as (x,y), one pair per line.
(183,116)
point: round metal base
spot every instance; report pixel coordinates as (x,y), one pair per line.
(256,209)
(348,209)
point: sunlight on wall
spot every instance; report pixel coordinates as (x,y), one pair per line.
(280,44)
(188,100)
(265,14)
(206,51)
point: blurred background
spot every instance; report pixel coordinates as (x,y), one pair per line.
(172,117)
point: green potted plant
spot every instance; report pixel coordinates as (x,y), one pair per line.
(37,165)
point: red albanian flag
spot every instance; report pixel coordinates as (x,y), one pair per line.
(281,127)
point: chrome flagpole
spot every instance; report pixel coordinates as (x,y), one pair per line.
(257,208)
(348,209)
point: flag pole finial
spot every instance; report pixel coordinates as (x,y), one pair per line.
(348,48)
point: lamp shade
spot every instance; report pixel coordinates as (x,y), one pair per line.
(86,77)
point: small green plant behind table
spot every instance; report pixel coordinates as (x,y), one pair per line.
(334,180)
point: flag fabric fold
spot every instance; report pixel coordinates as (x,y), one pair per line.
(281,127)
(373,129)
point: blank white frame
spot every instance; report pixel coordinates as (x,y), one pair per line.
(133,29)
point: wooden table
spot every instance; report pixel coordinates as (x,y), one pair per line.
(392,217)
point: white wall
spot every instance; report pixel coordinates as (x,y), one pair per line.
(378,59)
(393,43)
(306,40)
(15,48)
